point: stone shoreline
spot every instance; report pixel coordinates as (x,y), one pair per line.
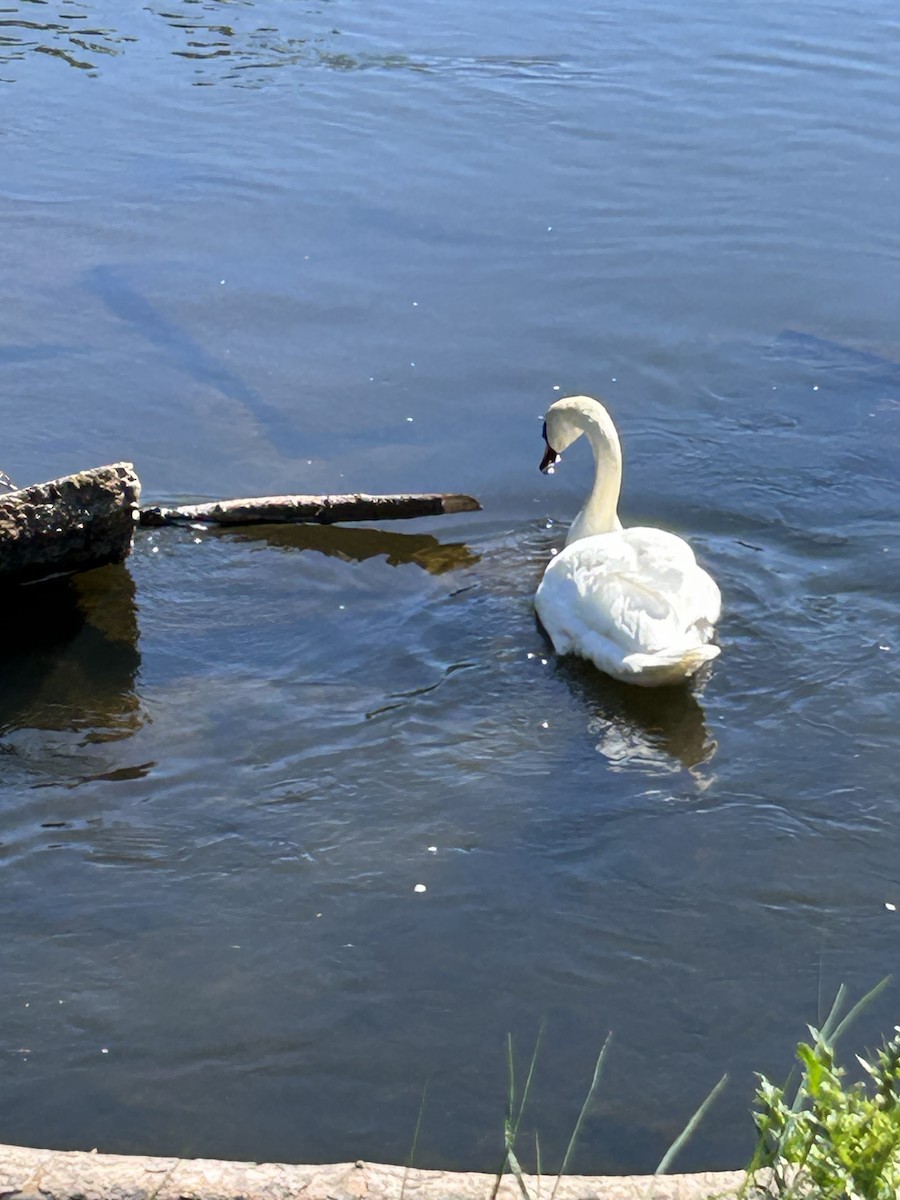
(30,1174)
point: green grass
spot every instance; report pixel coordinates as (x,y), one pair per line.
(515,1108)
(825,1138)
(819,1136)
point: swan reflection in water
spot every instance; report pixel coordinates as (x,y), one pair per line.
(658,729)
(355,545)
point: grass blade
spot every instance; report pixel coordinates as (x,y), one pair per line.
(598,1067)
(859,1006)
(514,1117)
(689,1129)
(529,1077)
(511,1078)
(832,1019)
(516,1169)
(508,1138)
(415,1141)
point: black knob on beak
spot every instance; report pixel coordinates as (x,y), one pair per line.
(550,455)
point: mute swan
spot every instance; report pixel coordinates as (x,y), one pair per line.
(633,601)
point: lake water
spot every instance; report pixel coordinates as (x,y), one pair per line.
(271,247)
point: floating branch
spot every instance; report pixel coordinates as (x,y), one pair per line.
(322,510)
(86,520)
(70,524)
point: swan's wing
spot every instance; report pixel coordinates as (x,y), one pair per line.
(640,588)
(665,563)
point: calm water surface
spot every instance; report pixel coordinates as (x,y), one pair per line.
(265,247)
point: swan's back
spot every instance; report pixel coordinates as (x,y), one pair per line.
(633,601)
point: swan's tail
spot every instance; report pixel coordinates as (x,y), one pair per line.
(668,666)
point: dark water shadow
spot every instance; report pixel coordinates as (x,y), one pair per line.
(635,726)
(834,356)
(356,545)
(69,656)
(126,302)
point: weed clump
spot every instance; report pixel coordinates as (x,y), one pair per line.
(832,1139)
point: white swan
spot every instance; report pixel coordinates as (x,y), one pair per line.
(633,601)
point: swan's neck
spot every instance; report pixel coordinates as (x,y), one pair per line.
(600,511)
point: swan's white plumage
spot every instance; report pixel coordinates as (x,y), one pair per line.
(633,601)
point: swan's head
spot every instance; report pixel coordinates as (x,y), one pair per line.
(568,419)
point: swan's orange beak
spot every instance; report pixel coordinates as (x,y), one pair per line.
(550,455)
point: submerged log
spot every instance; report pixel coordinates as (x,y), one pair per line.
(322,510)
(66,525)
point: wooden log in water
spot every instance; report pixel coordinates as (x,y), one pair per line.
(71,524)
(321,510)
